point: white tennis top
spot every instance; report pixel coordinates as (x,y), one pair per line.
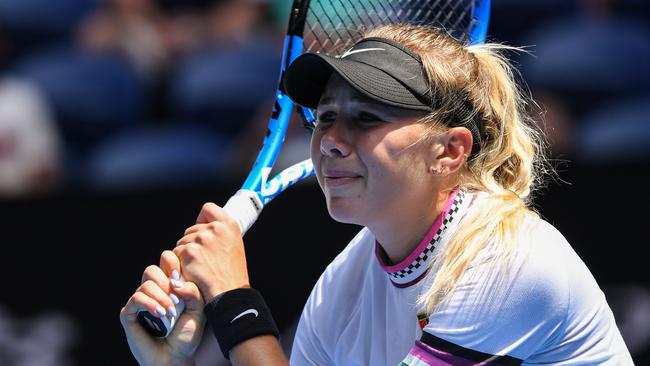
(544,308)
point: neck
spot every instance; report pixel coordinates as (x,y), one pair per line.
(401,233)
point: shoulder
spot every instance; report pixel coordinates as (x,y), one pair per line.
(534,307)
(516,305)
(543,259)
(540,273)
(588,330)
(549,262)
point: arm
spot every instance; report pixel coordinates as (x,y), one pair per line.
(212,255)
(263,350)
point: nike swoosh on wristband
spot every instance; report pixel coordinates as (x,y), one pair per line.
(245,312)
(361,50)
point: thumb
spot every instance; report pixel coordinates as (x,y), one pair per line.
(209,212)
(191,295)
(188,331)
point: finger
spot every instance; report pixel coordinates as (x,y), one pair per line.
(138,302)
(191,233)
(203,226)
(157,275)
(204,235)
(162,298)
(188,253)
(193,229)
(169,263)
(211,212)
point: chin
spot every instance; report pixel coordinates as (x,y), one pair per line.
(344,211)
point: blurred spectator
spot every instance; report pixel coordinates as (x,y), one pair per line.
(130,27)
(30,145)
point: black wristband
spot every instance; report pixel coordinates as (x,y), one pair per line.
(238,315)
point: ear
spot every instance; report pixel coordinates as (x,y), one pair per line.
(455,146)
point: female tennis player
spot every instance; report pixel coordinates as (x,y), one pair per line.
(427,144)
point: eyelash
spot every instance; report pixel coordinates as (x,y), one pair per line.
(368,117)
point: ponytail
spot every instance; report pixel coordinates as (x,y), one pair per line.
(511,158)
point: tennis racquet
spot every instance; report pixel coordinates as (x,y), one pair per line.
(329,27)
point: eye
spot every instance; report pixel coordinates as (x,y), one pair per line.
(367,119)
(365,116)
(327,117)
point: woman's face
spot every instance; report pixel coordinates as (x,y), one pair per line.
(372,160)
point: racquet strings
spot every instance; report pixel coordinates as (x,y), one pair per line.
(333,26)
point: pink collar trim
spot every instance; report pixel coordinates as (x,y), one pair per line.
(412,269)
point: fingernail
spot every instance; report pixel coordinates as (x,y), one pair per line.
(176,283)
(175,275)
(172,311)
(174,299)
(160,310)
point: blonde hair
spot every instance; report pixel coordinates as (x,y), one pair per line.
(511,160)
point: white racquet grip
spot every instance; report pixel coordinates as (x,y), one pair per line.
(245,207)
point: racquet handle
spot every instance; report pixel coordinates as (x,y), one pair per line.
(160,327)
(244,207)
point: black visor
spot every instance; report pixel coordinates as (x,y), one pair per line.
(384,71)
(378,68)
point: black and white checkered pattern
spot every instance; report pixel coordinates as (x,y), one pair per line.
(423,258)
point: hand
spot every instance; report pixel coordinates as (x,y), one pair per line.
(155,292)
(212,253)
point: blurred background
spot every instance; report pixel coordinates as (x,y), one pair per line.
(119,118)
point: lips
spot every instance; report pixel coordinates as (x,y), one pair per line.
(335,178)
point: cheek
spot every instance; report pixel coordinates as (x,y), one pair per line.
(315,154)
(314,145)
(396,165)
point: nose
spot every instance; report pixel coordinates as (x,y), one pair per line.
(335,141)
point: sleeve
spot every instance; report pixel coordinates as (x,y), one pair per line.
(496,315)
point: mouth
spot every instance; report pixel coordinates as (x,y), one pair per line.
(339,178)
